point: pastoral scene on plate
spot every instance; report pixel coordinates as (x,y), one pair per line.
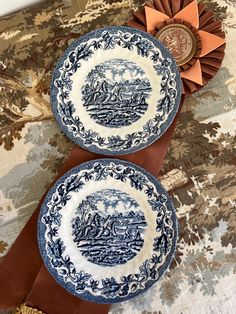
(116,93)
(108,228)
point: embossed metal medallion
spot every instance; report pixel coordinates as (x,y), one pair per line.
(116,90)
(180,41)
(107,230)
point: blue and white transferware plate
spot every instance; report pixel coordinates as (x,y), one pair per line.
(107,230)
(115,91)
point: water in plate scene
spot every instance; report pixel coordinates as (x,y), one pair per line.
(108,227)
(116,93)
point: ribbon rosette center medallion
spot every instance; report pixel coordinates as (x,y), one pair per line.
(180,41)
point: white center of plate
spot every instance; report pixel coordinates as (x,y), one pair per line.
(115,95)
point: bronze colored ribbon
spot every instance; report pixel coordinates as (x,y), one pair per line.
(22,273)
(51,298)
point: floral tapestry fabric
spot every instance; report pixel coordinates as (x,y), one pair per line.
(199,169)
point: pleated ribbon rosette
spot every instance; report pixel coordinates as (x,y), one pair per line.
(186,27)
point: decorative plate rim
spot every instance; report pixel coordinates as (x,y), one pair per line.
(41,228)
(153,137)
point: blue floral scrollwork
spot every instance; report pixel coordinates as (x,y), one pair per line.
(108,287)
(165,107)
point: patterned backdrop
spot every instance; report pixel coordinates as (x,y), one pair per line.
(199,170)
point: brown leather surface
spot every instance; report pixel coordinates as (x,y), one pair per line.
(51,298)
(21,270)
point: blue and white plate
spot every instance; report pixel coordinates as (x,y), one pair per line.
(107,230)
(115,91)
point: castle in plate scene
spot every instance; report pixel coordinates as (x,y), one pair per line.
(108,228)
(116,93)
